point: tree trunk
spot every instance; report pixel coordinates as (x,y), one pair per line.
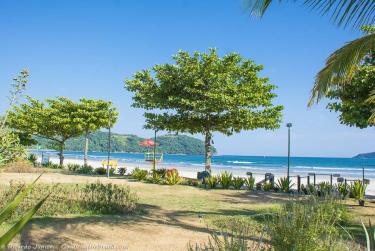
(208,152)
(61,153)
(86,148)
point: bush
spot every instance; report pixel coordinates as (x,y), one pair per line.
(155,178)
(324,189)
(52,165)
(172,177)
(284,184)
(357,190)
(234,234)
(10,147)
(33,159)
(307,225)
(343,190)
(85,170)
(250,182)
(238,182)
(161,172)
(108,198)
(226,179)
(66,199)
(267,186)
(100,171)
(73,167)
(139,174)
(212,181)
(121,171)
(21,166)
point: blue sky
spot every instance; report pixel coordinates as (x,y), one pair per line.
(87,48)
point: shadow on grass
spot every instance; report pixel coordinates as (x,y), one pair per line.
(60,231)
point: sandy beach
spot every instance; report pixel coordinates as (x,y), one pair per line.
(185,172)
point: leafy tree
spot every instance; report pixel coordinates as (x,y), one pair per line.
(53,119)
(92,115)
(10,147)
(342,64)
(203,93)
(351,99)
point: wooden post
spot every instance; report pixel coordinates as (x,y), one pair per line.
(308,180)
(331,179)
(298,183)
(314,179)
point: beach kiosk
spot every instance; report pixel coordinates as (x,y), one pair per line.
(151,156)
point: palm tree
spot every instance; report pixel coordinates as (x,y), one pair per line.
(340,65)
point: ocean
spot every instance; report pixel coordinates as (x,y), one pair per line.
(346,167)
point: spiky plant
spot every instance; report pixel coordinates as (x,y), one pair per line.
(11,207)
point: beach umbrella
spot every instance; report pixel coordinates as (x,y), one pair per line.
(148,142)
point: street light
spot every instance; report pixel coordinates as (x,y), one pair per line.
(109,139)
(289,125)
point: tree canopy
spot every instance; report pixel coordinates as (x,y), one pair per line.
(352,99)
(203,93)
(57,119)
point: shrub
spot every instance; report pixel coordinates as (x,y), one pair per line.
(121,171)
(358,190)
(234,234)
(67,199)
(307,224)
(21,166)
(108,198)
(139,174)
(324,189)
(238,182)
(343,190)
(100,171)
(10,147)
(73,167)
(226,179)
(267,186)
(155,178)
(284,184)
(85,170)
(250,182)
(212,181)
(161,172)
(172,177)
(33,159)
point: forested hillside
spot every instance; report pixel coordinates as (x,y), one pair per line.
(177,144)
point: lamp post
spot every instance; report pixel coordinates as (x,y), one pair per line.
(109,140)
(289,125)
(154,159)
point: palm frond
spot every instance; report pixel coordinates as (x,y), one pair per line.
(340,66)
(342,12)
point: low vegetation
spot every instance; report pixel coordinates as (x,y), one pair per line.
(67,199)
(312,223)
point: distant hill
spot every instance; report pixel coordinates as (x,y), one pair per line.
(365,155)
(174,144)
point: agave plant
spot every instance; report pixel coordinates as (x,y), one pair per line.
(212,181)
(226,179)
(343,190)
(238,182)
(284,184)
(370,236)
(358,190)
(11,207)
(250,182)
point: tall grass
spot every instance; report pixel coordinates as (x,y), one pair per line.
(66,199)
(312,224)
